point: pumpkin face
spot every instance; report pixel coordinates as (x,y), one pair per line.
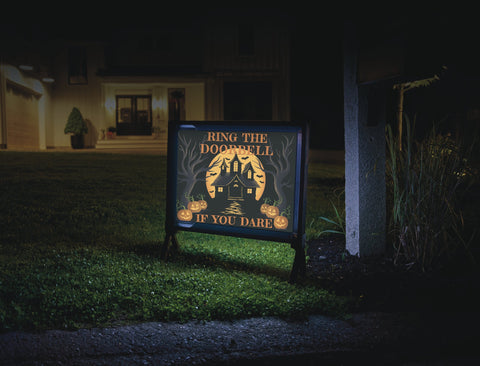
(272,211)
(184,215)
(194,206)
(280,222)
(264,207)
(203,204)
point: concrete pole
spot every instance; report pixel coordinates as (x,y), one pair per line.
(365,204)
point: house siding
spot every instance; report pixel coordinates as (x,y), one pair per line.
(209,58)
(87,98)
(22,118)
(270,62)
(24,109)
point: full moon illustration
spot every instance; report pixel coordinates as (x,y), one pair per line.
(245,157)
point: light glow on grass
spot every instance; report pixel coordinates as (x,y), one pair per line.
(80,240)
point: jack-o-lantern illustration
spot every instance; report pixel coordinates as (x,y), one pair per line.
(194,206)
(280,222)
(264,207)
(203,204)
(184,215)
(272,211)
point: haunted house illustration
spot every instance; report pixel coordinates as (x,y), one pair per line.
(235,183)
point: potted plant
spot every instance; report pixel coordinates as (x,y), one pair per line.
(111,133)
(77,127)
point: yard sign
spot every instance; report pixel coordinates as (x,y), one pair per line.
(238,178)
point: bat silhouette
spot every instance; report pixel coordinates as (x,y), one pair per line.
(261,181)
(213,174)
(259,176)
(245,158)
(211,191)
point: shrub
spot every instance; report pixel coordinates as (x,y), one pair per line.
(425,181)
(75,123)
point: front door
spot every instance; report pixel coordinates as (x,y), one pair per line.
(134,115)
(235,190)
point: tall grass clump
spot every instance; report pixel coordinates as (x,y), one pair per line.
(338,222)
(426,180)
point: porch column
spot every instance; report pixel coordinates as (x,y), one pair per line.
(365,204)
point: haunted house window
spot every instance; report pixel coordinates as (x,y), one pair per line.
(235,166)
(77,65)
(247,101)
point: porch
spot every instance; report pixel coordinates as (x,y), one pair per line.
(133,143)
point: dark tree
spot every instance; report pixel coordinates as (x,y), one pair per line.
(279,166)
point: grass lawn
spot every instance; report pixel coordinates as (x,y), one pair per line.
(79,246)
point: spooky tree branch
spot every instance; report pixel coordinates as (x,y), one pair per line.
(192,167)
(278,165)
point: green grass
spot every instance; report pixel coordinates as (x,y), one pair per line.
(80,236)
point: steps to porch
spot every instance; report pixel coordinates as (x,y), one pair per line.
(141,143)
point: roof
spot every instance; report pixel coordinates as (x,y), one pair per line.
(225,180)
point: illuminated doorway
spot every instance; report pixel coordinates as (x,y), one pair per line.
(134,115)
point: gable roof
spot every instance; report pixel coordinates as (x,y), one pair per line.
(228,178)
(248,166)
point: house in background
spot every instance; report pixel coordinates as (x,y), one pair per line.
(218,68)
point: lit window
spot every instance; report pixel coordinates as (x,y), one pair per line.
(235,166)
(219,189)
(249,191)
(249,174)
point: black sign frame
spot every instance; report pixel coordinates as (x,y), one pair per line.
(296,132)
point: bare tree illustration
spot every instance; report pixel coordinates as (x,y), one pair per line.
(193,165)
(280,167)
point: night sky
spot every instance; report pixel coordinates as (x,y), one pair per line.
(431,38)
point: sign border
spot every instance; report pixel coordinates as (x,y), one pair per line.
(296,237)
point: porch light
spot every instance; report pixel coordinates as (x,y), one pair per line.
(158,103)
(110,104)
